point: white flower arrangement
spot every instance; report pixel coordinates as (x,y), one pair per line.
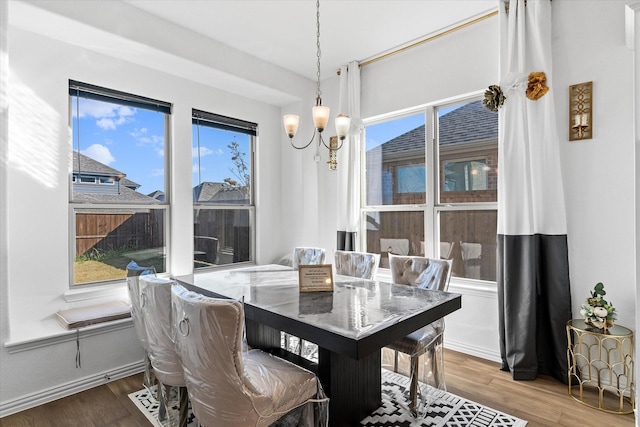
(596,311)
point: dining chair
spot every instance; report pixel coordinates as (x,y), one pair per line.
(229,384)
(133,287)
(156,310)
(307,255)
(356,264)
(302,255)
(424,273)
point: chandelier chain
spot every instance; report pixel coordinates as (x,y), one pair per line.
(318,91)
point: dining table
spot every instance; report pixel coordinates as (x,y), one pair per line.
(350,325)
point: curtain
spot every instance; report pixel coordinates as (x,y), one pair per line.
(349,159)
(533,270)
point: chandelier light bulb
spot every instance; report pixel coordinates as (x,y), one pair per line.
(291,124)
(343,123)
(320,117)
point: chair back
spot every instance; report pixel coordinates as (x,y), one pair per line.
(426,273)
(208,338)
(156,310)
(307,255)
(356,264)
(133,287)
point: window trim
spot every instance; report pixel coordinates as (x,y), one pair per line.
(432,206)
(80,89)
(217,121)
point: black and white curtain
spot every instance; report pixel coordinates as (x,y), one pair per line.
(349,159)
(533,270)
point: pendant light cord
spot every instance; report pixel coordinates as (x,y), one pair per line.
(318,91)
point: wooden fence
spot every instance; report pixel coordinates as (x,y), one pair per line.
(106,231)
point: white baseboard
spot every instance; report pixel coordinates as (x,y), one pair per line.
(480,352)
(48,395)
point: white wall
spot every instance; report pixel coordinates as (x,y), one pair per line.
(297,197)
(598,174)
(35,197)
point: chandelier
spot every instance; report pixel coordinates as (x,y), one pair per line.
(320,113)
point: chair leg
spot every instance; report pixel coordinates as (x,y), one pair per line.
(184,407)
(149,379)
(395,361)
(163,398)
(437,365)
(413,387)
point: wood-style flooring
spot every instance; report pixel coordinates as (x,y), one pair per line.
(543,403)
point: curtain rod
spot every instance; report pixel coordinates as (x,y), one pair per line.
(428,39)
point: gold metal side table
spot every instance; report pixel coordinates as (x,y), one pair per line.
(601,367)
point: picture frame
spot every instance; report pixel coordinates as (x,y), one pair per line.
(315,278)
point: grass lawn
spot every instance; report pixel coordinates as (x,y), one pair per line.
(109,268)
(95,271)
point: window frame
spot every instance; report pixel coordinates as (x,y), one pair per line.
(123,98)
(250,129)
(434,165)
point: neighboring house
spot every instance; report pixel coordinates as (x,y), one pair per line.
(95,182)
(468,156)
(468,138)
(219,192)
(158,195)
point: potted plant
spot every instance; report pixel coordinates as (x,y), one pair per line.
(597,312)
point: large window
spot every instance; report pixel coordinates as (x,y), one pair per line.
(430,186)
(117,183)
(222,189)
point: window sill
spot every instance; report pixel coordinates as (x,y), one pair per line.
(48,332)
(112,291)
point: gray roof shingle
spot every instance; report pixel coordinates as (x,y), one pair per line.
(469,123)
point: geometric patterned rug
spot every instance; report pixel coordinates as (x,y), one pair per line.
(445,409)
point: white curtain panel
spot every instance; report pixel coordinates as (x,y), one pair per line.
(533,272)
(530,178)
(349,157)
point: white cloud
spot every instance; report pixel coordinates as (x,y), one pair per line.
(106,124)
(204,151)
(100,153)
(108,116)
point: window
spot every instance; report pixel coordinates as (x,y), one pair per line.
(431,186)
(222,189)
(117,182)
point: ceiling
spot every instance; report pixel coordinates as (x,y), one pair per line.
(283,32)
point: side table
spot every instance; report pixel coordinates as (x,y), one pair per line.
(601,363)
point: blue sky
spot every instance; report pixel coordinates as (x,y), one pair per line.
(132,141)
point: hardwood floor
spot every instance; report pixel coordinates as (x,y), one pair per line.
(543,402)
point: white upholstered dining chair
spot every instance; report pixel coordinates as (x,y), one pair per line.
(307,256)
(356,264)
(155,301)
(302,255)
(424,273)
(228,384)
(133,287)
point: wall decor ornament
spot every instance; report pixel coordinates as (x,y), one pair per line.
(493,98)
(537,86)
(580,111)
(598,312)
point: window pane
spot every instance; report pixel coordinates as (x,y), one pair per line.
(221,236)
(395,162)
(108,239)
(468,153)
(469,238)
(118,153)
(399,232)
(222,166)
